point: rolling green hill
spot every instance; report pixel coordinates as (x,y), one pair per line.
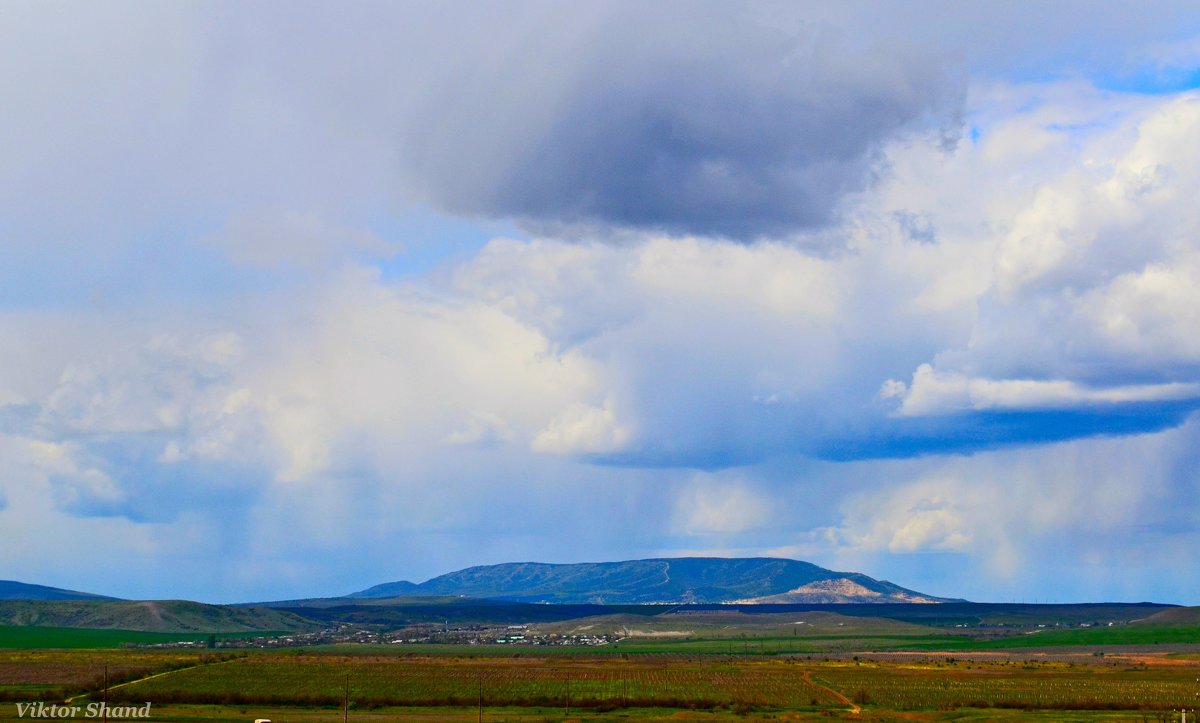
(663,580)
(166,616)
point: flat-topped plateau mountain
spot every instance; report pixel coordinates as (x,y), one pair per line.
(683,580)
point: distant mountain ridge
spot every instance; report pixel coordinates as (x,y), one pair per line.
(682,580)
(13,590)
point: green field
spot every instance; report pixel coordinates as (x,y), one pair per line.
(31,637)
(1048,637)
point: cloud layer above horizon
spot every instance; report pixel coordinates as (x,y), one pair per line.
(298,301)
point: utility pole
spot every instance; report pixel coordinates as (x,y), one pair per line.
(105,694)
(346,701)
(568,695)
(481,697)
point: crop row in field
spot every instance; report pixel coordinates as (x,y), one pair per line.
(55,674)
(369,681)
(374,681)
(1046,686)
(183,713)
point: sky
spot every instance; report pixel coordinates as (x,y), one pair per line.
(297,298)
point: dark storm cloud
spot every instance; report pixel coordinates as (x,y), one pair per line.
(694,119)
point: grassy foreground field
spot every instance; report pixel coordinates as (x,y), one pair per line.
(501,685)
(55,675)
(694,687)
(470,714)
